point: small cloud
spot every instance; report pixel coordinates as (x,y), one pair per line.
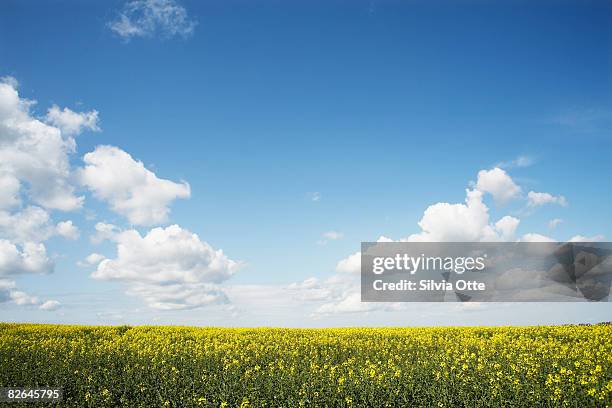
(330,236)
(497,183)
(147,18)
(50,305)
(104,231)
(72,123)
(333,235)
(582,238)
(520,161)
(535,199)
(314,196)
(94,259)
(67,230)
(23,299)
(533,237)
(554,223)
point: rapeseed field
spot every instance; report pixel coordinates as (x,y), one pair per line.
(264,367)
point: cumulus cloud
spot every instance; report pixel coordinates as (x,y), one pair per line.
(506,227)
(460,222)
(67,230)
(534,237)
(9,191)
(33,224)
(147,18)
(497,183)
(9,293)
(170,268)
(129,187)
(104,231)
(94,258)
(33,153)
(350,264)
(463,222)
(535,199)
(27,258)
(70,122)
(50,305)
(23,299)
(582,238)
(441,222)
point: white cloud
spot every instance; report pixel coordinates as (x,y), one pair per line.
(463,222)
(33,154)
(67,230)
(552,224)
(9,191)
(103,232)
(310,283)
(441,222)
(170,268)
(5,289)
(351,264)
(23,299)
(94,258)
(9,80)
(520,161)
(131,189)
(330,236)
(506,227)
(70,122)
(533,237)
(33,224)
(497,183)
(30,224)
(50,305)
(582,238)
(333,235)
(27,258)
(8,292)
(535,199)
(146,18)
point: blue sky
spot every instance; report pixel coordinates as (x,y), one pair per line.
(379,109)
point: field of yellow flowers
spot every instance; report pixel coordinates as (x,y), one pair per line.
(395,367)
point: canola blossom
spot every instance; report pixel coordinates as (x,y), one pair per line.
(546,366)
